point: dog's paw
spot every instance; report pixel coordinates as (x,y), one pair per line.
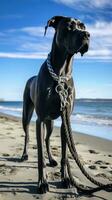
(66,182)
(53,163)
(43,187)
(24,157)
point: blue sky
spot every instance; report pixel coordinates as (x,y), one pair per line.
(23,47)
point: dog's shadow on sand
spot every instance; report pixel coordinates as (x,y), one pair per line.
(10,159)
(17,160)
(32,188)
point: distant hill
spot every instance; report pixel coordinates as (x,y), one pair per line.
(97,99)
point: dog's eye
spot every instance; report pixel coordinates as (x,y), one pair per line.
(71,26)
(81,26)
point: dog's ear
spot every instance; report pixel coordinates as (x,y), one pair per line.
(53,22)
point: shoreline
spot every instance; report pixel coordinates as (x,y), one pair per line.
(56,127)
(18,180)
(98,125)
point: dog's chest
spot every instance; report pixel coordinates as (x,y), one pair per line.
(52,103)
(52,97)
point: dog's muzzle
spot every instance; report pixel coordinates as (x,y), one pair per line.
(85,36)
(79,42)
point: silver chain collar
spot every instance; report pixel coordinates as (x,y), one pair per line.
(64,94)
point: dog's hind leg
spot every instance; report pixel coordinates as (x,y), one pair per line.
(49,127)
(42,181)
(28,108)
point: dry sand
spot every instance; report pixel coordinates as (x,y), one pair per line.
(18,181)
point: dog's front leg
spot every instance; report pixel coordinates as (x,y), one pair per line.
(42,182)
(49,127)
(64,174)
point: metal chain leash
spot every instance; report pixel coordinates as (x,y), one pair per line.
(65,94)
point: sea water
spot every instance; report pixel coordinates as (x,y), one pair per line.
(90,116)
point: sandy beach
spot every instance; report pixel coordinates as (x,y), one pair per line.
(18,181)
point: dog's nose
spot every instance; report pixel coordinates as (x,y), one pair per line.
(86,34)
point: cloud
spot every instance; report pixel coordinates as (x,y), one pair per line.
(37,31)
(100,28)
(26,39)
(37,47)
(23,55)
(28,42)
(85,3)
(100,52)
(100,3)
(101,39)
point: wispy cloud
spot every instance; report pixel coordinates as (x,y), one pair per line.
(100,3)
(101,39)
(89,9)
(23,55)
(85,3)
(26,39)
(28,42)
(100,28)
(30,46)
(37,31)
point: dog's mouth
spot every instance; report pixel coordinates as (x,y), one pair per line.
(83,48)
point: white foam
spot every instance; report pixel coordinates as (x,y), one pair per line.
(4,108)
(92,119)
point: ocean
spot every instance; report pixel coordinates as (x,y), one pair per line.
(90,116)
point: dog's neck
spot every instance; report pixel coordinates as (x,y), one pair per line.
(61,61)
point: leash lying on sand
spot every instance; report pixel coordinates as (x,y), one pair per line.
(71,146)
(65,98)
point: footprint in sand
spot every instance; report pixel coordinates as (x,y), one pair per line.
(54,176)
(5,170)
(9,128)
(109,155)
(13,170)
(8,133)
(34,147)
(5,154)
(100,162)
(54,148)
(22,136)
(55,153)
(2,165)
(92,167)
(101,175)
(93,151)
(12,137)
(103,167)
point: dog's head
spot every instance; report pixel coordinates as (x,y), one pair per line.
(71,34)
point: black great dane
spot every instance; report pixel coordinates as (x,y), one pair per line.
(52,90)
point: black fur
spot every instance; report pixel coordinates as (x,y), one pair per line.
(70,37)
